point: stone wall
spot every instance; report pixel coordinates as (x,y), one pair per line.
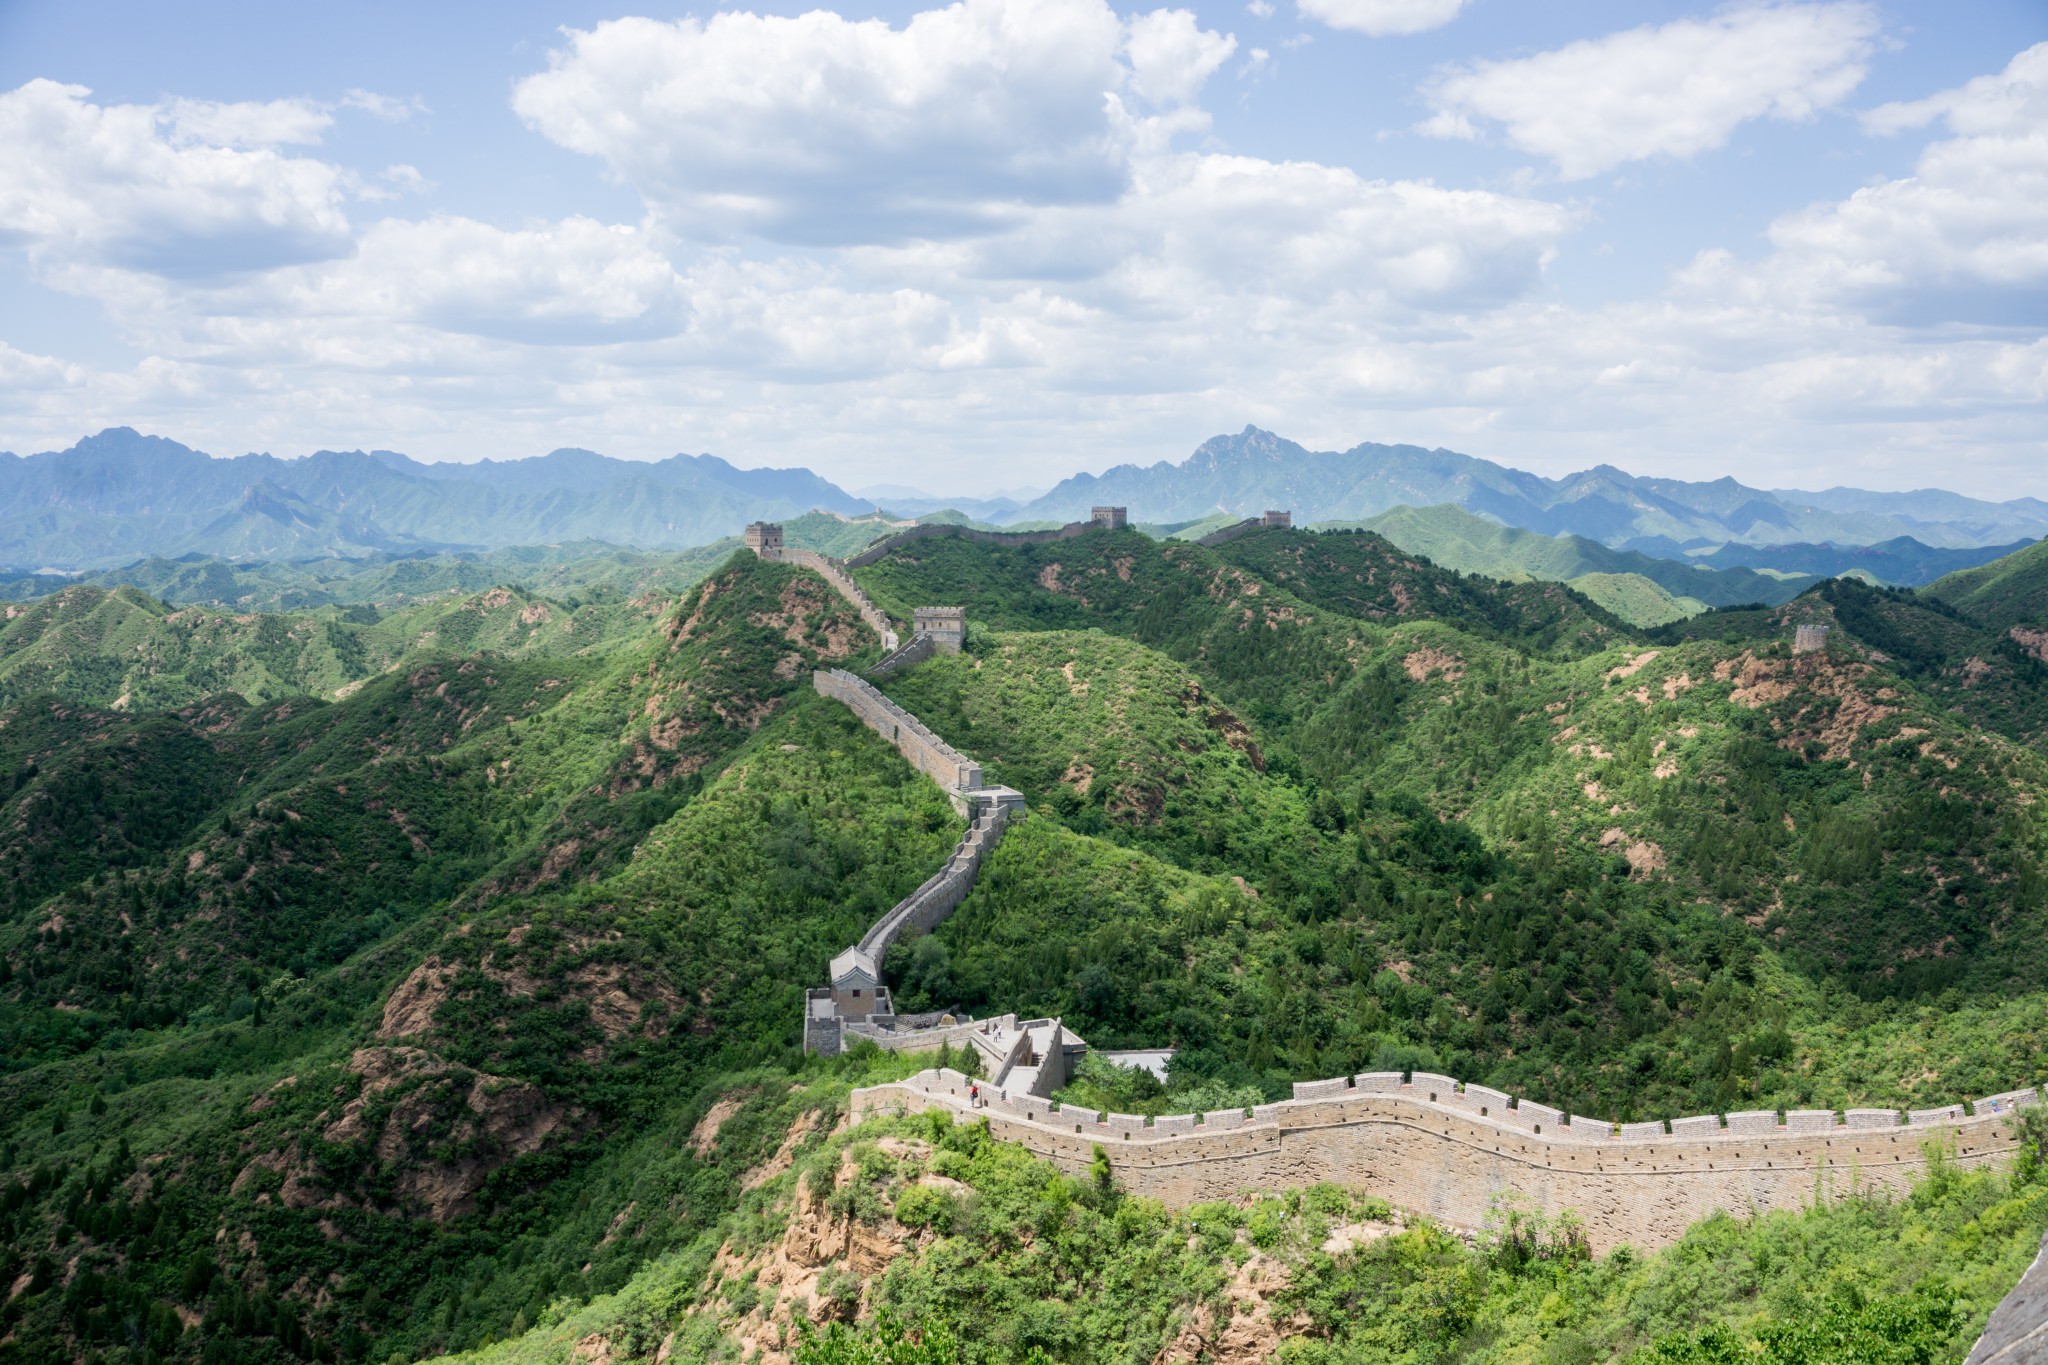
(1445,1158)
(926,752)
(1225,535)
(832,572)
(928,1039)
(932,530)
(932,904)
(916,651)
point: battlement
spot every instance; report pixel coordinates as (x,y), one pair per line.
(947,627)
(858,994)
(1438,1147)
(764,538)
(1267,521)
(1110,518)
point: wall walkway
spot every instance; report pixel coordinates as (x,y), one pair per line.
(1445,1150)
(1224,535)
(926,752)
(988,809)
(933,530)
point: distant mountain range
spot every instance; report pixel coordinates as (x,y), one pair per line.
(121,496)
(1255,469)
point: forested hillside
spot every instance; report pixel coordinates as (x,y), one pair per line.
(375,990)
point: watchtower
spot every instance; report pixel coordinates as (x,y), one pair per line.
(1809,639)
(857,989)
(1109,518)
(1282,520)
(764,538)
(946,625)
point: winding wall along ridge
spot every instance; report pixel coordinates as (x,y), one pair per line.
(1432,1146)
(926,752)
(834,573)
(932,530)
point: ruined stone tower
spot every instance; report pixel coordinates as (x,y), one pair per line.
(1809,639)
(1280,519)
(764,538)
(1109,518)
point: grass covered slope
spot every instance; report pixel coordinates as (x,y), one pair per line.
(1994,679)
(284,1014)
(2005,594)
(1635,599)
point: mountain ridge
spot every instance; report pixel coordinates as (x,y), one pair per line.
(1237,474)
(120,495)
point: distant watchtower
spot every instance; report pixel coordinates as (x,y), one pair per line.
(1109,518)
(946,625)
(1809,639)
(764,538)
(1279,519)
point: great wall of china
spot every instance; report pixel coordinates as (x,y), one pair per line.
(1431,1146)
(1426,1143)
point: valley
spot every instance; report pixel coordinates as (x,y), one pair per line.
(474,933)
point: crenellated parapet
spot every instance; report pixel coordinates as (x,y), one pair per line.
(764,538)
(858,997)
(1436,1147)
(933,530)
(1271,520)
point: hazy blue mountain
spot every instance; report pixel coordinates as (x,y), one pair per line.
(119,495)
(1903,562)
(1256,469)
(2014,520)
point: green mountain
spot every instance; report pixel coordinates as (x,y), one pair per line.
(1459,540)
(459,1010)
(1635,599)
(2008,594)
(585,570)
(124,649)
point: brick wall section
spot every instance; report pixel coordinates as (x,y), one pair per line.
(933,530)
(1224,535)
(834,573)
(920,648)
(1377,1135)
(933,903)
(925,751)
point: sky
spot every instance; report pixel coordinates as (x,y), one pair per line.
(983,246)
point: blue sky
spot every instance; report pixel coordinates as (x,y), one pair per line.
(1802,244)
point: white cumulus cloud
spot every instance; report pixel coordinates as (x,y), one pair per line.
(1381,18)
(1670,90)
(822,130)
(185,189)
(1965,237)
